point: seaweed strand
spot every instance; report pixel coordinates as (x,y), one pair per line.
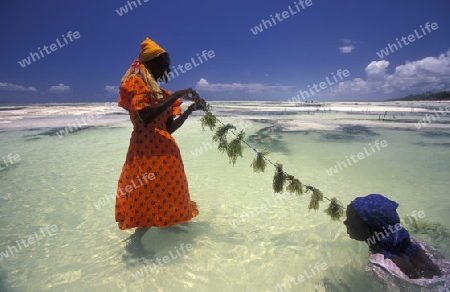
(259,163)
(234,149)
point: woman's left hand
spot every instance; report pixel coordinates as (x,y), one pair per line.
(199,104)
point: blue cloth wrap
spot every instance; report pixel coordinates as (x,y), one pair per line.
(380,214)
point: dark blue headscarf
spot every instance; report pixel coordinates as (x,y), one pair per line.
(380,213)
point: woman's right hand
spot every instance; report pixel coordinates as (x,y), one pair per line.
(424,265)
(189,94)
(403,263)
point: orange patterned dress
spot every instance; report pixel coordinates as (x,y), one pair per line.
(152,189)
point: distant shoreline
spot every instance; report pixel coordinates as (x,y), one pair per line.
(438,96)
(443,96)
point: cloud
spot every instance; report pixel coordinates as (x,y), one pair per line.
(203,84)
(14,87)
(346,49)
(427,74)
(377,69)
(113,90)
(61,88)
(348,46)
(347,41)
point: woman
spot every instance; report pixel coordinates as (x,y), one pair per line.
(398,261)
(153,189)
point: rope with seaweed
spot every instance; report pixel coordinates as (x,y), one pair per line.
(234,149)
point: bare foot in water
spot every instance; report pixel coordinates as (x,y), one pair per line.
(134,244)
(136,236)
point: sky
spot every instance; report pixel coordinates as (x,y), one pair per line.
(284,50)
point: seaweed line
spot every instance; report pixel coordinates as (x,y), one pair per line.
(233,149)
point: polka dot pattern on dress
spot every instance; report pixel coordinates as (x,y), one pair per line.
(163,200)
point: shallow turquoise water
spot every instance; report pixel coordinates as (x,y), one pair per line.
(69,182)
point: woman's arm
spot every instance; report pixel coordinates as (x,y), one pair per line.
(151,113)
(424,265)
(403,263)
(175,124)
(418,265)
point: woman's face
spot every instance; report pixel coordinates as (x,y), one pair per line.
(160,67)
(356,228)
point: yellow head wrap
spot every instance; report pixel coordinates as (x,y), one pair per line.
(149,50)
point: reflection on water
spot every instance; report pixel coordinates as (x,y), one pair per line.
(61,180)
(269,138)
